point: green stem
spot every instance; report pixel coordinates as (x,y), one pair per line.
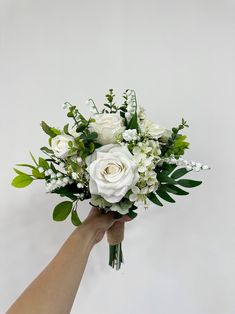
(115,256)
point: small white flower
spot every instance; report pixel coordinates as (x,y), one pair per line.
(53,176)
(80,185)
(127,115)
(59,175)
(40,169)
(138,194)
(66,180)
(79,160)
(49,172)
(130,135)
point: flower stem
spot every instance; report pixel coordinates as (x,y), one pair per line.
(115,256)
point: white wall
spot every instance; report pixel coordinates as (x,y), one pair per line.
(179,57)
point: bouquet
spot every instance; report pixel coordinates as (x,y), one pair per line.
(116,158)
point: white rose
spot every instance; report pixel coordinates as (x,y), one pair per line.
(112,172)
(154,130)
(107,126)
(59,145)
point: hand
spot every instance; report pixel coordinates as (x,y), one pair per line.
(98,223)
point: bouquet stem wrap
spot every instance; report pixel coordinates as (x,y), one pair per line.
(115,236)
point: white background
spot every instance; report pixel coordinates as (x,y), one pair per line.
(179,57)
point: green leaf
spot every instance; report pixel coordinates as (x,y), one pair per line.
(165,196)
(62,210)
(56,131)
(66,129)
(153,198)
(26,165)
(68,191)
(19,172)
(43,163)
(173,189)
(34,160)
(21,181)
(188,183)
(37,174)
(47,129)
(46,150)
(179,173)
(132,214)
(133,122)
(168,168)
(92,136)
(163,177)
(75,219)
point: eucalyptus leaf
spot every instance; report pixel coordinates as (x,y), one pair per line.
(62,210)
(21,181)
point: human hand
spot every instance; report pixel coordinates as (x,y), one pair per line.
(98,223)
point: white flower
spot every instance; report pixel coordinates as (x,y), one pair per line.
(60,146)
(112,172)
(107,126)
(130,135)
(40,169)
(152,129)
(138,194)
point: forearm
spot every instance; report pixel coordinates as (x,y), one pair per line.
(54,290)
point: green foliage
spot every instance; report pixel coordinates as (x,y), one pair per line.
(43,163)
(33,158)
(188,183)
(153,198)
(37,174)
(22,181)
(173,189)
(163,177)
(46,150)
(133,124)
(176,144)
(62,210)
(68,191)
(164,195)
(132,214)
(75,219)
(25,165)
(20,172)
(48,130)
(179,173)
(168,183)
